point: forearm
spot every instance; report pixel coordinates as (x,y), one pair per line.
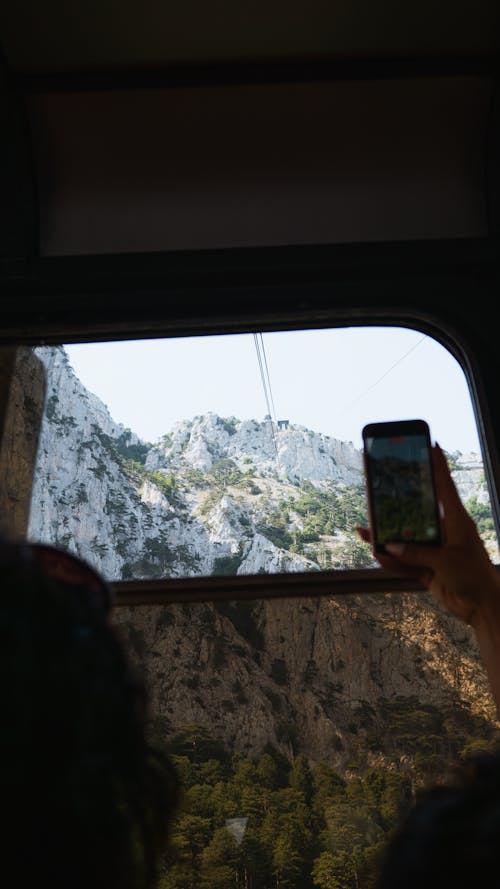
(486,626)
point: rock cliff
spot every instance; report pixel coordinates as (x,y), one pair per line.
(214,495)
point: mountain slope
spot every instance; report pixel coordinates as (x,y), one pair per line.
(214,495)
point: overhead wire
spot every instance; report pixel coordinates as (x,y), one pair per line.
(268,377)
(266,384)
(268,392)
(262,374)
(384,375)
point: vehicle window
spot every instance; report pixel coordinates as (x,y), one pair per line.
(235,454)
(301,728)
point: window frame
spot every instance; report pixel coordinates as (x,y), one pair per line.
(89,299)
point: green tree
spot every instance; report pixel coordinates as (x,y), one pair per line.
(354,554)
(335,871)
(328,786)
(191,835)
(185,770)
(199,799)
(301,778)
(219,861)
(256,861)
(482,515)
(254,801)
(222,801)
(287,863)
(225,472)
(266,772)
(212,771)
(325,872)
(244,772)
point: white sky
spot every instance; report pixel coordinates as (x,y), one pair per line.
(331,381)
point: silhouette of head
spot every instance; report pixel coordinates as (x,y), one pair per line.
(451,837)
(87,800)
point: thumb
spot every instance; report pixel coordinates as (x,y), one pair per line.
(414,554)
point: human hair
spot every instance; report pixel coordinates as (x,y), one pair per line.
(87,800)
(451,836)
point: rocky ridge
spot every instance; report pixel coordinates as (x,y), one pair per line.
(203,494)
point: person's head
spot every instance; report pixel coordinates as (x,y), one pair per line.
(86,800)
(451,837)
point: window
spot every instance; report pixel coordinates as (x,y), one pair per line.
(301,727)
(235,455)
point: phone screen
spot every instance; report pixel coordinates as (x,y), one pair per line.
(403,502)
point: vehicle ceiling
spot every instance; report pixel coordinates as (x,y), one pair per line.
(60,35)
(100,156)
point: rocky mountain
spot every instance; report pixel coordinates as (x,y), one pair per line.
(214,495)
(353,680)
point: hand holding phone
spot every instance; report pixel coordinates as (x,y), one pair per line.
(402,501)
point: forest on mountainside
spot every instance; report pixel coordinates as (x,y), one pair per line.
(267,822)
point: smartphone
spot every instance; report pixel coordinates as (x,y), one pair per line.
(402,500)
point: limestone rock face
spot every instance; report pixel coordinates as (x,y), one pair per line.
(179,507)
(21,409)
(469,478)
(294,453)
(305,674)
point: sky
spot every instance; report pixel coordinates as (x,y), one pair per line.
(330,380)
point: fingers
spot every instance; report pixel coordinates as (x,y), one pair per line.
(390,561)
(405,553)
(446,489)
(364,533)
(414,554)
(458,526)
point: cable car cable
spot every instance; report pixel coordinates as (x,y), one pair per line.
(384,375)
(268,377)
(264,385)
